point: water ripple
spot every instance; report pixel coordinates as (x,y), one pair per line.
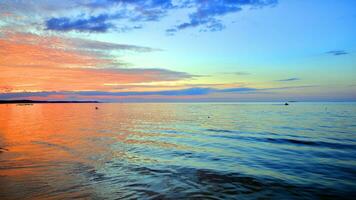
(175,151)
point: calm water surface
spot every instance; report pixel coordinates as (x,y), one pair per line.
(178,151)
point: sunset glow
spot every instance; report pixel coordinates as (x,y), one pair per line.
(57,50)
(178,99)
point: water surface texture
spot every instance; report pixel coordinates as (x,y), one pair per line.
(178,151)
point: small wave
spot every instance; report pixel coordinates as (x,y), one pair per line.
(280,140)
(193,183)
(220,130)
(58,147)
(295,128)
(62,147)
(312,143)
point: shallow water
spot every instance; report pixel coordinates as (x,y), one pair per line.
(178,151)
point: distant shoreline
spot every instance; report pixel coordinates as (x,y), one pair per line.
(24,101)
(34,101)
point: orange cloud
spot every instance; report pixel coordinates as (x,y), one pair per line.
(21,49)
(75,79)
(31,62)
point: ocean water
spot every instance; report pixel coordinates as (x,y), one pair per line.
(178,151)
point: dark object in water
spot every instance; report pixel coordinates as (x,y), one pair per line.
(24,104)
(96,108)
(208,116)
(286,104)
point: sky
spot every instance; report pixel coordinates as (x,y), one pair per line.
(178,50)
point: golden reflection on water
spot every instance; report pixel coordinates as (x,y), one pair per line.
(48,138)
(143,150)
(65,125)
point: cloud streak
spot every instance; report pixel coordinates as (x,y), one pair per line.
(237,73)
(101,16)
(26,49)
(289,79)
(337,52)
(74,79)
(60,63)
(92,24)
(186,92)
(207,12)
(182,92)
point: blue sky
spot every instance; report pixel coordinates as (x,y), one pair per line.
(278,49)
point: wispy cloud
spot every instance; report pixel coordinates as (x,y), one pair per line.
(98,45)
(186,93)
(181,92)
(76,79)
(114,10)
(27,49)
(289,79)
(207,12)
(237,73)
(99,24)
(337,52)
(30,62)
(101,16)
(92,24)
(95,94)
(290,87)
(242,73)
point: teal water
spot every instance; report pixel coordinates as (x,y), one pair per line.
(178,151)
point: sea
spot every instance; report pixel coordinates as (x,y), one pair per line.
(178,151)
